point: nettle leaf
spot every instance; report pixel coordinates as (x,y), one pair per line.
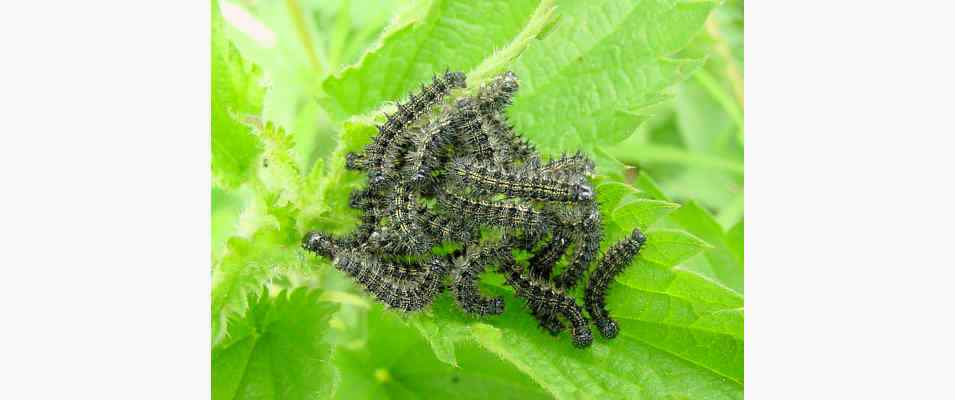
(278,171)
(581,85)
(641,213)
(649,188)
(268,237)
(658,356)
(447,34)
(246,264)
(623,208)
(671,247)
(684,314)
(724,263)
(397,365)
(723,260)
(734,239)
(277,350)
(235,92)
(613,194)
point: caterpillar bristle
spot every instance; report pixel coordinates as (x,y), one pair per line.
(614,261)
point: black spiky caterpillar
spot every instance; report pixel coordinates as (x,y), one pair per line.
(544,299)
(446,229)
(403,234)
(569,165)
(429,150)
(497,213)
(404,287)
(402,295)
(588,234)
(526,181)
(614,261)
(437,172)
(543,262)
(467,273)
(506,138)
(415,107)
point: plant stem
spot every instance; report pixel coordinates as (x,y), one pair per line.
(542,18)
(296,11)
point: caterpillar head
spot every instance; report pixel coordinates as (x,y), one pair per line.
(608,328)
(319,243)
(582,337)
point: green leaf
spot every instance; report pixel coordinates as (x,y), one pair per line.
(722,261)
(641,213)
(604,60)
(684,314)
(288,41)
(267,246)
(269,231)
(280,37)
(671,247)
(279,173)
(394,363)
(226,208)
(735,240)
(442,337)
(276,350)
(612,194)
(246,264)
(337,182)
(450,34)
(644,362)
(649,187)
(235,91)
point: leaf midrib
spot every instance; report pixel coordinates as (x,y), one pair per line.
(687,327)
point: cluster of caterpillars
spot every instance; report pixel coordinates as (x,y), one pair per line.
(443,170)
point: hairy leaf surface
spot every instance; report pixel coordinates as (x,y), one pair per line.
(277,350)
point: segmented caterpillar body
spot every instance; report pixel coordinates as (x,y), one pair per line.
(503,214)
(403,294)
(525,181)
(407,113)
(542,263)
(617,258)
(569,165)
(393,158)
(429,152)
(587,241)
(403,235)
(446,229)
(504,136)
(477,143)
(495,95)
(544,299)
(466,276)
